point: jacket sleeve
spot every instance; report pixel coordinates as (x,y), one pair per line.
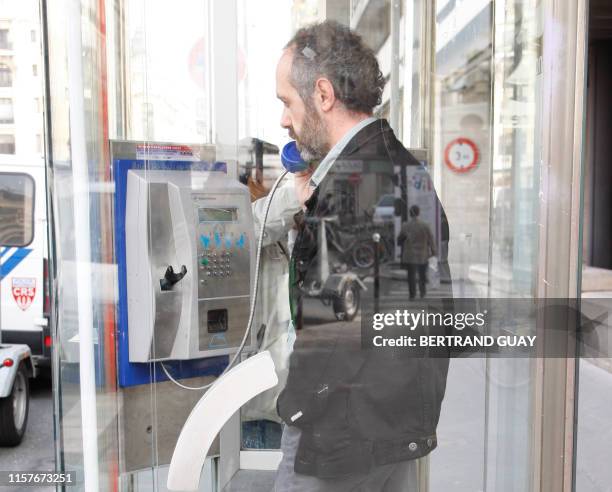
(280,216)
(304,398)
(318,372)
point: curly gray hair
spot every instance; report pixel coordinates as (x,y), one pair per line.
(332,50)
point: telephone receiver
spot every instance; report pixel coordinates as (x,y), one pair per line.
(291,158)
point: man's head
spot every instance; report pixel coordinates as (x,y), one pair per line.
(414,211)
(328,80)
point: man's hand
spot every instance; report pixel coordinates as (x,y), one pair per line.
(303,189)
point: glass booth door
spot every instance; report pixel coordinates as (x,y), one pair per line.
(487,93)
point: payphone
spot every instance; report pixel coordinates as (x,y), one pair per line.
(187,264)
(190,264)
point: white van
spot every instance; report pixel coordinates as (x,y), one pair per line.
(24,289)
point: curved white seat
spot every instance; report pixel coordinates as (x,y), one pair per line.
(219,403)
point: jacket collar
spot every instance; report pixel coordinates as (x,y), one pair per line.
(373,130)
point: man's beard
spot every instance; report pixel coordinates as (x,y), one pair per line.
(312,141)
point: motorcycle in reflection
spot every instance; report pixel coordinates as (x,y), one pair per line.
(353,245)
(346,257)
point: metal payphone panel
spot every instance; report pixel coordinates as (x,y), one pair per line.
(224,268)
(190,264)
(162,250)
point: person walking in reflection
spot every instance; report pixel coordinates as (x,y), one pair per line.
(418,246)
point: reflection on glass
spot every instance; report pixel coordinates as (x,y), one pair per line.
(217,214)
(487,93)
(464,101)
(594,420)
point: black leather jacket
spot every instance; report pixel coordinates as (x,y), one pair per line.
(356,408)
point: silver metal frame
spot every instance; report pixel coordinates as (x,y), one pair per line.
(559,253)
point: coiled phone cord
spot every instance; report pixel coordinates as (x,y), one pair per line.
(247,331)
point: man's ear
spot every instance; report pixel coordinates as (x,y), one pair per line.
(324,94)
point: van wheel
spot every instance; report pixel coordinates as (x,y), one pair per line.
(346,305)
(14,410)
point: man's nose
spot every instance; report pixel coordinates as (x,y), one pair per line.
(285,121)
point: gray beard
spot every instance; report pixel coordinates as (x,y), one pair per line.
(308,155)
(313,146)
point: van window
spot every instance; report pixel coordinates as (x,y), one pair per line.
(16,209)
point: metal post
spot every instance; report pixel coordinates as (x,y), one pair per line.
(82,233)
(559,254)
(225,76)
(51,265)
(376,240)
(394,101)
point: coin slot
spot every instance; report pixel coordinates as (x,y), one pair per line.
(217,320)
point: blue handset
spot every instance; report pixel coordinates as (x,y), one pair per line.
(291,158)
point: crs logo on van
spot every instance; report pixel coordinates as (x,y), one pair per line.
(24,290)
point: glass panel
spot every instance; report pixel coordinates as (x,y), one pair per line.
(169,88)
(485,138)
(164,150)
(84,311)
(16,209)
(594,420)
(261,137)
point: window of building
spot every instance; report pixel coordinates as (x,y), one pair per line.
(6,110)
(7,144)
(33,35)
(5,43)
(6,76)
(39,143)
(16,209)
(35,70)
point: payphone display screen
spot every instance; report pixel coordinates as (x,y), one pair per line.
(217,214)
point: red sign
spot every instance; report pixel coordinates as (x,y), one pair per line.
(461,155)
(24,290)
(354,178)
(197,63)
